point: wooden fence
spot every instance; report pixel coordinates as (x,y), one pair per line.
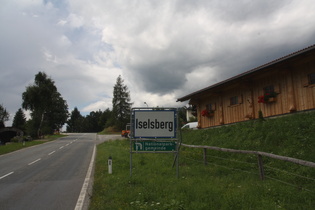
(258,153)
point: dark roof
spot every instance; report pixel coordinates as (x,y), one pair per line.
(305,50)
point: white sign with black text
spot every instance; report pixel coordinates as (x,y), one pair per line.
(154,124)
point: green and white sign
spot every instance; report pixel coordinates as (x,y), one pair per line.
(154,130)
(157,146)
(154,123)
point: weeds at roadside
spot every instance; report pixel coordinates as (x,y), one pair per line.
(4,149)
(154,185)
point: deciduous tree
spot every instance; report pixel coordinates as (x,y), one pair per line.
(48,109)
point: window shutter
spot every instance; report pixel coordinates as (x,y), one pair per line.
(277,88)
(240,99)
(213,107)
(305,80)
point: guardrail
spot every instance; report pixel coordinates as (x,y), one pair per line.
(258,153)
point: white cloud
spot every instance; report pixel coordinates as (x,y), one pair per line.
(99,105)
(62,22)
(75,21)
(163,49)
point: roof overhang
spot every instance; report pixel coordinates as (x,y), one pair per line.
(247,73)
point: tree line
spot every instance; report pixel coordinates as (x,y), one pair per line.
(49,111)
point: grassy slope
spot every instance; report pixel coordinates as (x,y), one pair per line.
(291,135)
(229,181)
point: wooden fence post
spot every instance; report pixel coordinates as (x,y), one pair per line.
(261,167)
(205,156)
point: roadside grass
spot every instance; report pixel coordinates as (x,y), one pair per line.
(4,149)
(219,185)
(228,181)
(52,137)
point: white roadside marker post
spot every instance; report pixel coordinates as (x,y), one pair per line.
(110,165)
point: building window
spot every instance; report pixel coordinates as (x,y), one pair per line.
(194,110)
(311,78)
(269,89)
(234,100)
(210,107)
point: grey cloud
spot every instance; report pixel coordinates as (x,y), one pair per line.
(232,11)
(163,48)
(237,46)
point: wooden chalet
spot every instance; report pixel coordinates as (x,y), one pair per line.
(283,86)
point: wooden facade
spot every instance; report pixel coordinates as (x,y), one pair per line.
(291,79)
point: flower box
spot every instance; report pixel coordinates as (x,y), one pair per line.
(268,98)
(207,113)
(210,115)
(272,99)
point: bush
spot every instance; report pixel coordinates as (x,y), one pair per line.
(16,139)
(27,138)
(110,130)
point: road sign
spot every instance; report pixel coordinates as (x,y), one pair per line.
(153,130)
(155,146)
(154,123)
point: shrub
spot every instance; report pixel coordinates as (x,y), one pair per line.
(17,139)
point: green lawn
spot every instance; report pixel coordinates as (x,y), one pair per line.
(228,181)
(17,146)
(219,185)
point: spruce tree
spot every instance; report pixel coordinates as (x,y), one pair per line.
(121,104)
(75,121)
(4,116)
(19,120)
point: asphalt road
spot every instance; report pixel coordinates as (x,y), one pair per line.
(47,176)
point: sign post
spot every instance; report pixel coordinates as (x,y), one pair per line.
(153,130)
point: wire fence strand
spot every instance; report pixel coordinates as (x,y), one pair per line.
(200,161)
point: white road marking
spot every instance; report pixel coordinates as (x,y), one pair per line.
(61,147)
(8,174)
(80,202)
(34,161)
(52,153)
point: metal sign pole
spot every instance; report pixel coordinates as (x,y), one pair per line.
(130,157)
(130,139)
(157,132)
(178,146)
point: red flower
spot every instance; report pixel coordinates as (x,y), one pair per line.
(265,98)
(204,112)
(207,113)
(261,99)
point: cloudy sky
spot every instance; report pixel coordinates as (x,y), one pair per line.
(163,49)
